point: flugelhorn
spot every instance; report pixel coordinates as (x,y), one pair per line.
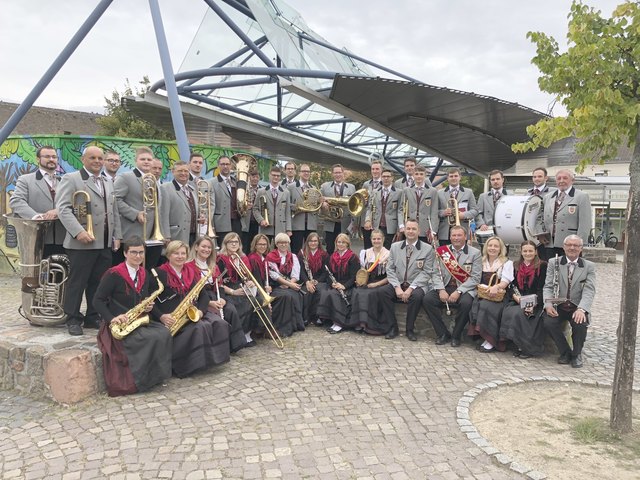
(82,210)
(355,204)
(203,190)
(150,202)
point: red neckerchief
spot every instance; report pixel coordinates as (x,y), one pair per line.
(274,257)
(315,259)
(525,275)
(339,263)
(232,275)
(216,270)
(450,263)
(122,270)
(189,273)
(258,264)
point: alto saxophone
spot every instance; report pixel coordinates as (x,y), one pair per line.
(135,316)
(186,311)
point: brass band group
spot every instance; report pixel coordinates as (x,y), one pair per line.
(179,275)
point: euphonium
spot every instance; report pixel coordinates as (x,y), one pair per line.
(43,280)
(187,311)
(136,316)
(204,206)
(244,163)
(82,210)
(454,218)
(150,202)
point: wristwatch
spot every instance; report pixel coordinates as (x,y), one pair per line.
(459,291)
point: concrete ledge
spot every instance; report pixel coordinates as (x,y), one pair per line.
(600,254)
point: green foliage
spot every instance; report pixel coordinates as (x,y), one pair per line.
(118,122)
(597,80)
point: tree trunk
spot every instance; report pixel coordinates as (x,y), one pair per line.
(621,399)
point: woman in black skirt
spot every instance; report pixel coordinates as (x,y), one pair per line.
(203,257)
(313,276)
(334,302)
(141,359)
(366,309)
(228,258)
(284,272)
(485,314)
(524,326)
(260,271)
(197,345)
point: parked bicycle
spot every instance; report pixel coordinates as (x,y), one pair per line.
(602,239)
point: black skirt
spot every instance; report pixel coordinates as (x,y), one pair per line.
(526,332)
(332,307)
(367,311)
(287,311)
(485,318)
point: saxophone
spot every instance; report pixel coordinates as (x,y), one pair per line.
(186,310)
(135,316)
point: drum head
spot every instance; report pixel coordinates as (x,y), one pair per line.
(515,218)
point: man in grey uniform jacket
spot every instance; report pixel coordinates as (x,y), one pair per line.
(385,209)
(181,204)
(371,185)
(226,217)
(34,198)
(576,290)
(90,256)
(275,199)
(467,209)
(337,189)
(425,202)
(302,223)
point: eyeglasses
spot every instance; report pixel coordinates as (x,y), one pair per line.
(113,160)
(233,242)
(49,157)
(136,253)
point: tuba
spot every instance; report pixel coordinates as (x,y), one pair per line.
(136,317)
(244,163)
(187,311)
(82,210)
(355,204)
(43,280)
(204,208)
(150,202)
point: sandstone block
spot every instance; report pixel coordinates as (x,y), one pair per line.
(70,375)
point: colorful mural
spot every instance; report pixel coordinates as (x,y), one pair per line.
(18,156)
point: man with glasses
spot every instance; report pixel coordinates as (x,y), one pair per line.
(573,280)
(111,164)
(385,209)
(302,223)
(181,204)
(273,201)
(290,174)
(338,189)
(226,217)
(34,198)
(423,202)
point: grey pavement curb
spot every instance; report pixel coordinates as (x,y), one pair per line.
(501,458)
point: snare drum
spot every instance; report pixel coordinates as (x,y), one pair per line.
(515,218)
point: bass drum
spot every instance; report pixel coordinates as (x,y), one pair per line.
(515,218)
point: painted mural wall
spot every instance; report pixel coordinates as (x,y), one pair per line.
(18,156)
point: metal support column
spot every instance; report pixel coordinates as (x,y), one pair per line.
(51,72)
(170,82)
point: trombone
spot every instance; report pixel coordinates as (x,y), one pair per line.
(245,276)
(82,210)
(204,208)
(150,202)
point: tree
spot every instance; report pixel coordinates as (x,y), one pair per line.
(598,81)
(118,122)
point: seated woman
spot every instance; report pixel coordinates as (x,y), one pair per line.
(524,326)
(313,276)
(485,314)
(197,345)
(228,258)
(260,271)
(366,310)
(203,257)
(334,302)
(142,358)
(284,271)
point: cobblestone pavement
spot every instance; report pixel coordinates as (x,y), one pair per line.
(329,406)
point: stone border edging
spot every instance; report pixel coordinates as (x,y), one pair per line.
(466,426)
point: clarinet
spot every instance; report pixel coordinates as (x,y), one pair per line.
(218,291)
(341,292)
(307,268)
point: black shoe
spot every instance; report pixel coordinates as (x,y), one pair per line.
(318,323)
(564,359)
(484,350)
(442,339)
(252,343)
(576,362)
(517,353)
(524,355)
(455,342)
(75,329)
(92,324)
(412,336)
(333,332)
(393,333)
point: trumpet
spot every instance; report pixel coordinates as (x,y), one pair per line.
(245,276)
(454,218)
(150,202)
(204,208)
(82,210)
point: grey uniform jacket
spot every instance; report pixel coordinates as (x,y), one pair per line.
(32,197)
(465,199)
(327,190)
(245,220)
(393,212)
(573,218)
(471,261)
(177,220)
(279,214)
(486,208)
(545,190)
(419,269)
(221,203)
(128,190)
(401,183)
(80,180)
(298,220)
(428,208)
(583,283)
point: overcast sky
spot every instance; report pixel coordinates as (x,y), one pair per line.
(470,45)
